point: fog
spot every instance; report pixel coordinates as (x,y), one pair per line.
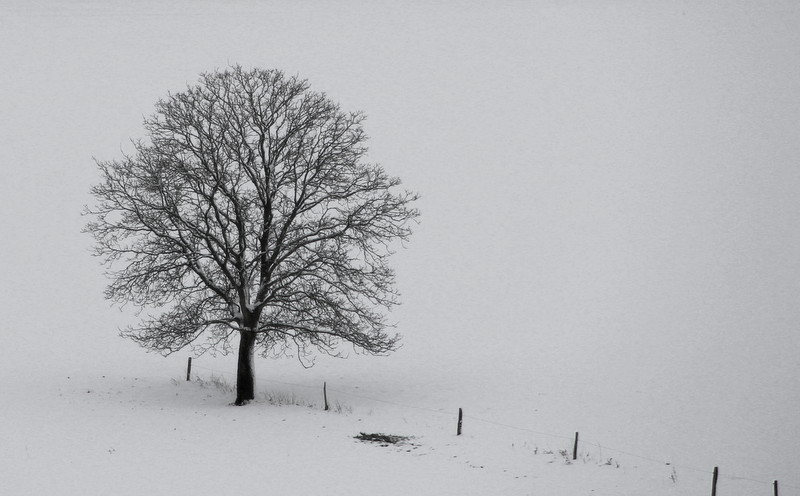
(609,189)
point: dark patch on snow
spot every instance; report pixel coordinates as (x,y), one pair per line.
(382,439)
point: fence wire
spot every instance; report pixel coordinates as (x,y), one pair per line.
(517,428)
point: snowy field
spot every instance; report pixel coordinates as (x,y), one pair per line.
(147,435)
(610,244)
(150,432)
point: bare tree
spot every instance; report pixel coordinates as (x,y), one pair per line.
(249,210)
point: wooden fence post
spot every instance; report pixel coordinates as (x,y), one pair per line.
(775,488)
(460,418)
(575,448)
(189,370)
(325,394)
(714,482)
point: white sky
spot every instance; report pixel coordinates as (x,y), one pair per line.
(608,187)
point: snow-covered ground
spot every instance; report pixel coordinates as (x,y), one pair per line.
(609,245)
(155,434)
(137,427)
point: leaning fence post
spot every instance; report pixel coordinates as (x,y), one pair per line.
(325,394)
(575,448)
(189,370)
(714,482)
(460,418)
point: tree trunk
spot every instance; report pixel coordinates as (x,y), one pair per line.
(245,376)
